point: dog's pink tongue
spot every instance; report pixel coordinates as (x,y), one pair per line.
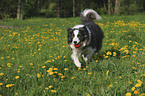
(78,45)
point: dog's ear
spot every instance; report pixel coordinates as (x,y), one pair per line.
(83,28)
(69,29)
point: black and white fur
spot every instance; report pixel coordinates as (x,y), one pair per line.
(89,35)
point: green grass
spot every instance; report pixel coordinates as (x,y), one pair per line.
(35,59)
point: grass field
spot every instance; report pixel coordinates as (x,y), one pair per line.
(35,59)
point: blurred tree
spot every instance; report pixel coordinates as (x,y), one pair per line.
(109,7)
(117,6)
(66,8)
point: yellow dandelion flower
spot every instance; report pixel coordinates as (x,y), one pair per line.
(31,64)
(65,69)
(106,56)
(38,75)
(20,66)
(1,84)
(109,53)
(51,73)
(114,53)
(89,73)
(139,81)
(84,68)
(107,72)
(109,86)
(62,77)
(120,77)
(128,94)
(138,85)
(16,93)
(17,77)
(46,88)
(43,67)
(50,86)
(60,74)
(9,64)
(136,92)
(79,68)
(142,75)
(53,91)
(9,85)
(55,69)
(72,77)
(133,88)
(1,74)
(88,95)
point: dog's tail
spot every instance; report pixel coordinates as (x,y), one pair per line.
(88,15)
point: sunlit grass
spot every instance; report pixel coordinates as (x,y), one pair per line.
(35,59)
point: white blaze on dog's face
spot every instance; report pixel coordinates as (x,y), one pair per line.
(76,39)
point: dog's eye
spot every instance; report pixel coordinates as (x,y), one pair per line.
(73,35)
(79,35)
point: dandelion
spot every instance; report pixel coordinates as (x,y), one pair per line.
(96,60)
(50,86)
(60,74)
(114,54)
(31,64)
(107,72)
(1,74)
(20,66)
(128,94)
(133,88)
(106,56)
(9,85)
(51,73)
(72,77)
(89,73)
(9,64)
(136,92)
(38,75)
(84,68)
(43,67)
(65,69)
(53,91)
(55,69)
(62,77)
(1,84)
(138,85)
(88,95)
(120,77)
(109,86)
(109,53)
(17,77)
(46,88)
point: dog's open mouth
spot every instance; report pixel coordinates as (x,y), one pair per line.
(77,45)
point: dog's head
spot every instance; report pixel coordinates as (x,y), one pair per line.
(78,36)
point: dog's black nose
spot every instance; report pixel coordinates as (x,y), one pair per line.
(75,42)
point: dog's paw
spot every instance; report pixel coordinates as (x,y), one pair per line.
(78,64)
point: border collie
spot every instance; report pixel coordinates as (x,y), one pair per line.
(85,39)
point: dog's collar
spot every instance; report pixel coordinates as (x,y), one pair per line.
(89,35)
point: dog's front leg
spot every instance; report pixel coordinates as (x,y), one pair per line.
(75,57)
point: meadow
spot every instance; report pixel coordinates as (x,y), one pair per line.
(35,58)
